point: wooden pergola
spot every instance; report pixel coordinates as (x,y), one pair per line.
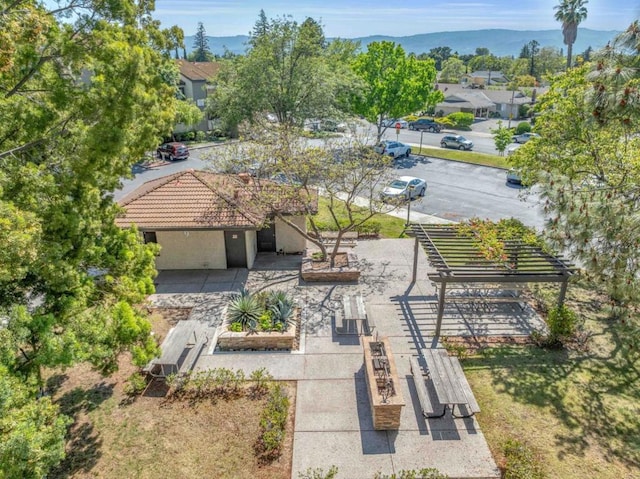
(457,259)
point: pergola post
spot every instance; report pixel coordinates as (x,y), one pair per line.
(563,292)
(443,287)
(416,246)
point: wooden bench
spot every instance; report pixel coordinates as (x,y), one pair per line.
(449,381)
(348,239)
(421,388)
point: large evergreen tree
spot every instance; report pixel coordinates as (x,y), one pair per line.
(587,166)
(571,13)
(201,50)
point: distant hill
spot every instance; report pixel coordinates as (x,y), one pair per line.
(500,42)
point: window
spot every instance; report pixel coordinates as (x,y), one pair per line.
(149,237)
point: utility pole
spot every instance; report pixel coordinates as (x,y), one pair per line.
(513,92)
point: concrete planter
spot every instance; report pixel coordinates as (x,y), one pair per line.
(385,397)
(342,274)
(259,341)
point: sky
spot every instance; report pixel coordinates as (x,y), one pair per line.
(358,18)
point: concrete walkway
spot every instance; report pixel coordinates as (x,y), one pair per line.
(333,424)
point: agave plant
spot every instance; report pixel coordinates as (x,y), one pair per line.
(279,296)
(281,314)
(244,310)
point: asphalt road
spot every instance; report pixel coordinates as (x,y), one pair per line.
(459,191)
(455,190)
(482,142)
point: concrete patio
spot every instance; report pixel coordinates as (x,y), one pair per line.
(338,430)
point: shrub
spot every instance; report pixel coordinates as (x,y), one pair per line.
(244,310)
(201,136)
(562,323)
(523,127)
(190,136)
(524,110)
(461,120)
(319,473)
(235,327)
(520,462)
(410,118)
(136,383)
(273,421)
(370,228)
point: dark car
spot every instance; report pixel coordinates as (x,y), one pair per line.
(424,124)
(456,141)
(172,151)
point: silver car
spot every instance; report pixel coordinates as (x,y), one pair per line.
(456,141)
(404,187)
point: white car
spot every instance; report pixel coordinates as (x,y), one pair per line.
(524,137)
(404,187)
(393,148)
(392,122)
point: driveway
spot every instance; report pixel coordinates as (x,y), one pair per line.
(333,424)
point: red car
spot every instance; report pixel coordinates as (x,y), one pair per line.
(172,151)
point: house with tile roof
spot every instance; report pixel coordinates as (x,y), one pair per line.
(195,84)
(204,220)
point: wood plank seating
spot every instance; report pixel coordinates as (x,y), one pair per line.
(181,337)
(449,381)
(349,239)
(193,354)
(421,388)
(353,312)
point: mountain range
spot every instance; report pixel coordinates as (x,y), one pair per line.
(500,42)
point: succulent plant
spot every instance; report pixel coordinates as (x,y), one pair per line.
(244,310)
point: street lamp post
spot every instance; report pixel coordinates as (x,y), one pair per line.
(409,190)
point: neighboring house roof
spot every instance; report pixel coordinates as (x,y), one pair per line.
(198,70)
(196,200)
(467,100)
(495,75)
(505,96)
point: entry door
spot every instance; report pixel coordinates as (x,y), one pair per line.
(235,248)
(267,238)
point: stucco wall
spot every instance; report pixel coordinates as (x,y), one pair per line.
(191,250)
(251,244)
(289,240)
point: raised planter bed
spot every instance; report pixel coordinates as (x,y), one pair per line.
(259,340)
(346,271)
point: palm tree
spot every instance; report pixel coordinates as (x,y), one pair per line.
(570,13)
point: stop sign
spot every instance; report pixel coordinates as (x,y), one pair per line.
(398,127)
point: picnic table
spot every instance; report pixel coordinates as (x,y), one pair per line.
(449,382)
(354,316)
(179,349)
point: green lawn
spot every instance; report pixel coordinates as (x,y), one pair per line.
(579,409)
(464,156)
(390,226)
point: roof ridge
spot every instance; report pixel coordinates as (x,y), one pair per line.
(143,192)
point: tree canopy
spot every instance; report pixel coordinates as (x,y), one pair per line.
(394,84)
(290,70)
(82,99)
(586,164)
(201,51)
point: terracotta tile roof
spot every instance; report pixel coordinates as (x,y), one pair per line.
(198,70)
(195,200)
